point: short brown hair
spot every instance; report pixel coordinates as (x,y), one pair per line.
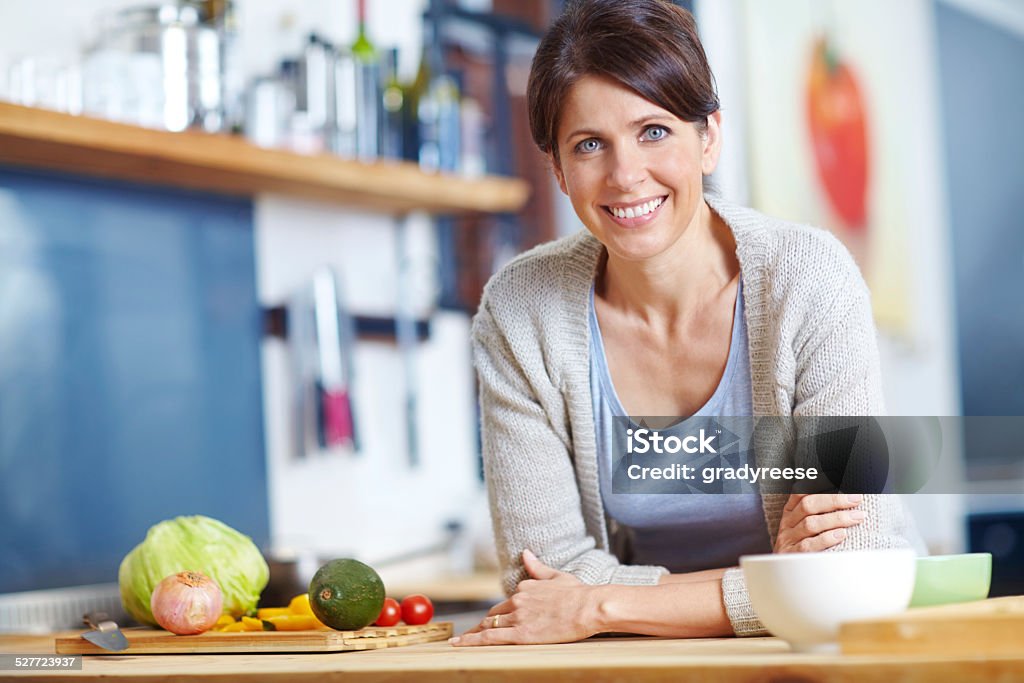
(649,46)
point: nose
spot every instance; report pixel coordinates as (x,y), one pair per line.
(628,168)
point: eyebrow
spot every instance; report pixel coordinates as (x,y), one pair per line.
(635,123)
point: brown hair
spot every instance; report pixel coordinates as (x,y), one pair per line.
(649,46)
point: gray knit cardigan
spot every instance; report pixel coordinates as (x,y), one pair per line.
(812,352)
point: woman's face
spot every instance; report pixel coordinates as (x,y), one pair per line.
(632,170)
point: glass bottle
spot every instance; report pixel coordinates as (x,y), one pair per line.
(438,111)
(414,93)
(368,90)
(392,107)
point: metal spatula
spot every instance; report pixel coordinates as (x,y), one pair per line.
(105,633)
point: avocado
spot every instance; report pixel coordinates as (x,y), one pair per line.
(346,594)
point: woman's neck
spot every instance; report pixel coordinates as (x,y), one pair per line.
(678,283)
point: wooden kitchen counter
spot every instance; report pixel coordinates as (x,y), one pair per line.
(602,659)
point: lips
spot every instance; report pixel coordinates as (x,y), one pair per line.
(636,213)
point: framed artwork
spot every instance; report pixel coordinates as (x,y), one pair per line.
(831,100)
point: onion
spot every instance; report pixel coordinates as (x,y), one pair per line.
(186,603)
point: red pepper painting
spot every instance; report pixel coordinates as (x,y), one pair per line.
(835,92)
(839,137)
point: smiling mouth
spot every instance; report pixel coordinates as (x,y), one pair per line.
(640,210)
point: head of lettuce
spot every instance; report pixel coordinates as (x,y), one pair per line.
(199,544)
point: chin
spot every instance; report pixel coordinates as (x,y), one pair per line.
(636,248)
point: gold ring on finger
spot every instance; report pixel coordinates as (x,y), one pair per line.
(496,620)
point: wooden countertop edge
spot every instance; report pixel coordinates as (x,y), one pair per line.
(736,671)
(632,659)
(231,165)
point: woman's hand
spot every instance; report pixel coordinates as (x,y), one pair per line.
(550,607)
(817,521)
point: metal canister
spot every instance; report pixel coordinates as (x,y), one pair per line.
(315,94)
(158,66)
(270,105)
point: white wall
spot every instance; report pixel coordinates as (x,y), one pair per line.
(921,375)
(372,503)
(720,26)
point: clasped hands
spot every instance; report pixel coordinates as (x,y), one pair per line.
(553,606)
(550,607)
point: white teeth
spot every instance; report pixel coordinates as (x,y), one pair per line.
(636,211)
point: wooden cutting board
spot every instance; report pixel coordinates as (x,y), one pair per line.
(991,627)
(147,641)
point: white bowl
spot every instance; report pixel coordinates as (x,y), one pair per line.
(804,597)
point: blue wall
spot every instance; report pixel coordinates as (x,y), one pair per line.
(981,68)
(129,372)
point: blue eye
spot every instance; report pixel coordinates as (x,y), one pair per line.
(588,145)
(656,133)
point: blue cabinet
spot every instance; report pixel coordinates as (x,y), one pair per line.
(129,372)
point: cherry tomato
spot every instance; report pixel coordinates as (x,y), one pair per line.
(390,613)
(417,609)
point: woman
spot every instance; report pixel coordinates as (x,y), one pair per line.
(672,302)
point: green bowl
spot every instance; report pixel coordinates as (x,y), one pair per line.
(945,579)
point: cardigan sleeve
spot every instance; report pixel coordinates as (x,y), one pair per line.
(531,482)
(837,374)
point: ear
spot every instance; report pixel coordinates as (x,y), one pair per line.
(712,144)
(556,168)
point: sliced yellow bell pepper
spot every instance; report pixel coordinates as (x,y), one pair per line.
(233,628)
(300,605)
(297,616)
(295,622)
(252,624)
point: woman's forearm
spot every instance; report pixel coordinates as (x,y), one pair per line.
(688,609)
(693,577)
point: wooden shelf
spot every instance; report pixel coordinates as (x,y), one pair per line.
(231,165)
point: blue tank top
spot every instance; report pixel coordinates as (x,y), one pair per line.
(681,532)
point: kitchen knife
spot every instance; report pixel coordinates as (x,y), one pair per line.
(334,337)
(105,633)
